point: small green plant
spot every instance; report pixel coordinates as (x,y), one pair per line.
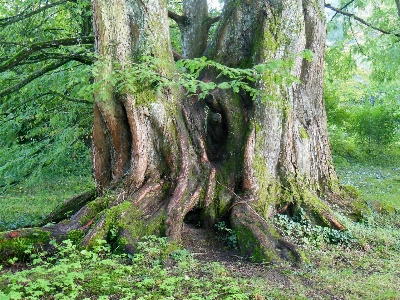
(305,233)
(152,251)
(180,255)
(227,235)
(158,270)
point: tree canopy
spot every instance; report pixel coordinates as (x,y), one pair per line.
(362,73)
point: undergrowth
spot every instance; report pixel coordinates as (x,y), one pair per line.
(303,232)
(227,235)
(360,263)
(158,270)
(378,231)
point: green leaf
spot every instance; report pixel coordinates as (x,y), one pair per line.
(224,85)
(308,55)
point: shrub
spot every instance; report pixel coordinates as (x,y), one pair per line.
(375,125)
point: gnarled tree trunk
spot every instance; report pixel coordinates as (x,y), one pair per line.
(158,157)
(194,24)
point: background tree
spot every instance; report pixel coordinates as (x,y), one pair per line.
(254,146)
(46,50)
(362,79)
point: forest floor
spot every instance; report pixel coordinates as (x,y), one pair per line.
(213,271)
(334,272)
(206,246)
(206,266)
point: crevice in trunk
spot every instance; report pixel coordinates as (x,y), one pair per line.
(101,149)
(194,217)
(217,135)
(128,139)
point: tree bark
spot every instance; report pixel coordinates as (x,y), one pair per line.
(159,157)
(287,163)
(195,31)
(194,25)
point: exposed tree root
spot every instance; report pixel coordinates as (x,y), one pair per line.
(159,207)
(257,239)
(69,207)
(205,172)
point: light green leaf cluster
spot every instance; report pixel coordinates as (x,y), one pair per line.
(237,79)
(190,74)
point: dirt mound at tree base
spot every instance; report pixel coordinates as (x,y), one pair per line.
(206,245)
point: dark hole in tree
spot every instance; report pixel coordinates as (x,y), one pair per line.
(217,130)
(193,217)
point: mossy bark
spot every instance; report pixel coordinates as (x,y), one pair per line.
(160,157)
(194,25)
(194,28)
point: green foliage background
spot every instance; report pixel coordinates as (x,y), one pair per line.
(45,124)
(362,93)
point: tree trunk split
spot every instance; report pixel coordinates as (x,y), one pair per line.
(163,159)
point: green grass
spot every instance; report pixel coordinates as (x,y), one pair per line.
(375,183)
(29,203)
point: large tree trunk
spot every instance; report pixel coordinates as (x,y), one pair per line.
(287,163)
(161,157)
(194,25)
(194,30)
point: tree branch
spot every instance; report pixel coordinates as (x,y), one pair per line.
(86,59)
(211,21)
(345,13)
(24,53)
(70,99)
(12,44)
(51,93)
(181,20)
(358,44)
(24,15)
(343,7)
(33,76)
